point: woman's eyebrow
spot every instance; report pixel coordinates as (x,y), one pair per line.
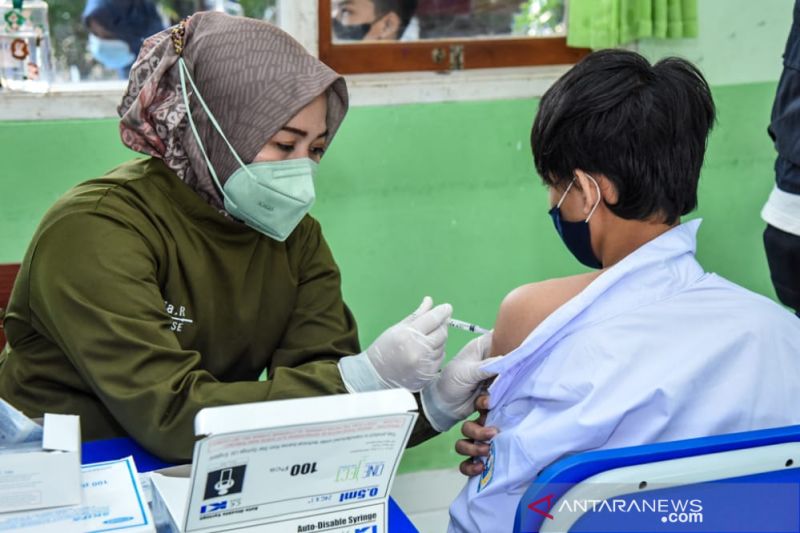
(302,133)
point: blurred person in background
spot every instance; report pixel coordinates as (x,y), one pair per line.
(782,210)
(117,29)
(372,20)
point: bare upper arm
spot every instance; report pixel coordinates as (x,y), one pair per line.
(524,308)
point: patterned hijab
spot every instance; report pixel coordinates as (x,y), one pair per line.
(254,79)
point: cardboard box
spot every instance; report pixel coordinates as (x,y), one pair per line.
(47,474)
(310,464)
(111,500)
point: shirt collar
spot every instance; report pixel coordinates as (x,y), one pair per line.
(661,267)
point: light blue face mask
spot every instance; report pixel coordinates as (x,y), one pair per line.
(112,53)
(271,197)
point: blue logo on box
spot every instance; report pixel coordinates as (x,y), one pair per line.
(119,520)
(214,507)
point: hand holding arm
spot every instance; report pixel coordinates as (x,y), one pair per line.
(477,435)
(450,397)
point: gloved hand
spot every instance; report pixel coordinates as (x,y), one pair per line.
(407,355)
(451,396)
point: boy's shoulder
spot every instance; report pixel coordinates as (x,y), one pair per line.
(525,307)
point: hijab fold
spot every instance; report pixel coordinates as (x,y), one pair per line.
(253,77)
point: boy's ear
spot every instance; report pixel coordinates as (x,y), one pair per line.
(608,190)
(389,27)
(589,189)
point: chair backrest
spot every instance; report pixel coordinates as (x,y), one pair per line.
(769,457)
(8,273)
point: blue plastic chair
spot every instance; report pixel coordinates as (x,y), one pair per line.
(766,499)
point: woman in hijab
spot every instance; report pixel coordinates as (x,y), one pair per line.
(169,284)
(117,29)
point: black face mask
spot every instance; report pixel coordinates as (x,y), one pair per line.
(350,32)
(577,238)
(576,235)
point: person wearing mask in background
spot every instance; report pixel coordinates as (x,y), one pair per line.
(371,20)
(647,346)
(782,210)
(117,29)
(172,282)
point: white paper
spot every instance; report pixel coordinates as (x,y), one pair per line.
(62,432)
(111,500)
(298,474)
(15,427)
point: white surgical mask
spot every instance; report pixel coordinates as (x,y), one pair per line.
(272,196)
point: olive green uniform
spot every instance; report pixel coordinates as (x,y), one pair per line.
(138,304)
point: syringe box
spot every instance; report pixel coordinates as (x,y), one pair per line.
(289,465)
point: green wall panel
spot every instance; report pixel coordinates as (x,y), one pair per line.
(431,199)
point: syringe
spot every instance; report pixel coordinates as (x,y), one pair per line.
(466,326)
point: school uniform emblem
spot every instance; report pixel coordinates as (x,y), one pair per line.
(488,469)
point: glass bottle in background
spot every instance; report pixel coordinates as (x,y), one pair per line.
(26,61)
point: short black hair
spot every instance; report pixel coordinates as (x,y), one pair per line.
(405,9)
(644,127)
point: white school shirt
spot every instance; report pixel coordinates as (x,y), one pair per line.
(655,349)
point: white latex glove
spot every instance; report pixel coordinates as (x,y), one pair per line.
(450,397)
(407,355)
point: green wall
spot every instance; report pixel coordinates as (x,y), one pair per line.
(740,41)
(438,199)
